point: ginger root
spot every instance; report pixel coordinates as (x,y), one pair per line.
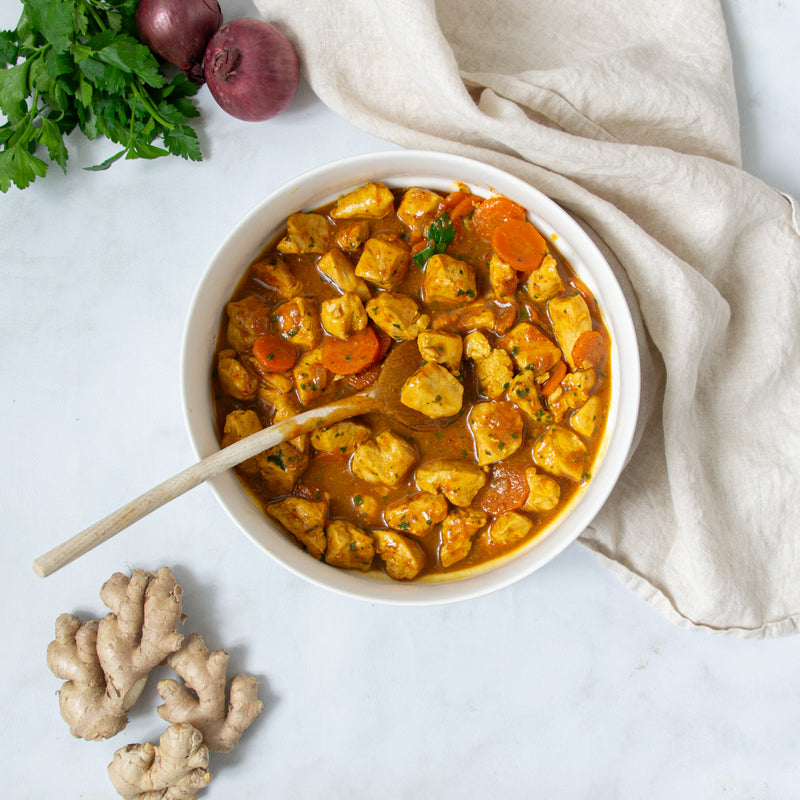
(105,664)
(201,702)
(176,769)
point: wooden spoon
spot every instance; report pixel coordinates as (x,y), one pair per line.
(384,395)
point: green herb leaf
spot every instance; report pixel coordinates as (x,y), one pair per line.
(440,234)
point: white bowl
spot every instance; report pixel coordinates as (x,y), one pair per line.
(436,171)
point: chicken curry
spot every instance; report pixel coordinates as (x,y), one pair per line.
(513,349)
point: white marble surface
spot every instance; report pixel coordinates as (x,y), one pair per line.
(563,686)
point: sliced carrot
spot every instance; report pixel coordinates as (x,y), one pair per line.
(419,245)
(452,200)
(464,207)
(556,376)
(273,353)
(589,349)
(519,244)
(507,489)
(351,355)
(492,213)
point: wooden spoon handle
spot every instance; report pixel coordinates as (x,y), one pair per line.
(196,474)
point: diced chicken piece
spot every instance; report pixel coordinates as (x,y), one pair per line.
(238,425)
(386,459)
(494,373)
(310,377)
(343,316)
(287,406)
(341,437)
(280,467)
(417,208)
(510,528)
(298,321)
(545,281)
(503,278)
(523,393)
(304,519)
(403,558)
(570,318)
(236,380)
(397,315)
(433,391)
(248,318)
(418,513)
(588,418)
(530,348)
(544,492)
(562,453)
(349,547)
(274,273)
(305,233)
(384,261)
(476,346)
(373,201)
(351,236)
(497,428)
(274,384)
(368,508)
(448,280)
(484,315)
(339,269)
(443,348)
(458,481)
(572,392)
(458,532)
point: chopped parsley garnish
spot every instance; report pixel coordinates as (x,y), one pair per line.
(440,234)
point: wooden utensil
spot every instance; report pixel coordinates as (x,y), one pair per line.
(384,395)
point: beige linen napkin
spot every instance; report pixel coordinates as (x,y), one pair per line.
(624,112)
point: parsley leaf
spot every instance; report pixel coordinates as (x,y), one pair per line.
(78,64)
(440,234)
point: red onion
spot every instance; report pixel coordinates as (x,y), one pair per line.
(251,69)
(179,31)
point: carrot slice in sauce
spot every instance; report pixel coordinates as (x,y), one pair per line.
(492,213)
(273,353)
(506,490)
(558,375)
(351,355)
(519,244)
(589,349)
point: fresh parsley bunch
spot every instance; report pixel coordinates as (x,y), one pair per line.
(78,63)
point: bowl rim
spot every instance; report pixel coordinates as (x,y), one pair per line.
(311,189)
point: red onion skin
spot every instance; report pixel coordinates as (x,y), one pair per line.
(251,69)
(179,31)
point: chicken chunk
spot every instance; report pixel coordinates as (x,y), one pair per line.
(572,392)
(274,384)
(544,492)
(310,377)
(503,278)
(510,528)
(386,459)
(341,437)
(298,321)
(352,235)
(545,281)
(523,393)
(570,318)
(248,318)
(433,391)
(458,481)
(442,348)
(274,273)
(349,547)
(562,453)
(236,380)
(417,514)
(397,315)
(287,406)
(373,201)
(280,467)
(458,532)
(494,372)
(238,425)
(530,348)
(482,314)
(338,269)
(304,519)
(384,261)
(477,346)
(497,429)
(588,419)
(343,316)
(305,233)
(448,280)
(417,208)
(403,558)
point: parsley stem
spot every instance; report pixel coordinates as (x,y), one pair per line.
(141,93)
